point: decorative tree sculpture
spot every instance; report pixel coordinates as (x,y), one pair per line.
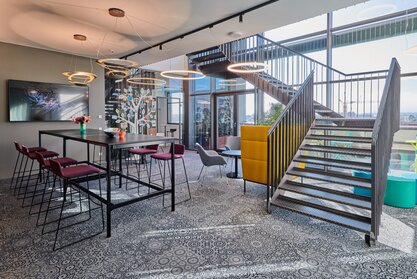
(135,109)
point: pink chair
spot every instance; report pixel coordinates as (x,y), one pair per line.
(179,151)
(142,153)
(68,175)
(44,165)
(30,155)
(20,156)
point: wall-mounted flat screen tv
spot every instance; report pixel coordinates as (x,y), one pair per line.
(39,101)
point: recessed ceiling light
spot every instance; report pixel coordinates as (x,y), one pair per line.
(80,37)
(116,12)
(235,34)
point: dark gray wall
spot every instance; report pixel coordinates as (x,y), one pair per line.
(24,63)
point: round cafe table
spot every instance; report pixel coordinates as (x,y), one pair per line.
(236,154)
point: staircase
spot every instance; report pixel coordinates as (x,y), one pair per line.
(338,173)
(319,181)
(335,128)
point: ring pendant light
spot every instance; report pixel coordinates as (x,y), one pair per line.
(80,77)
(146,81)
(247,67)
(178,74)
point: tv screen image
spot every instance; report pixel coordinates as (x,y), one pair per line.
(39,101)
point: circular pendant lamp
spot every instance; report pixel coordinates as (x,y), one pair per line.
(80,77)
(247,67)
(146,81)
(180,74)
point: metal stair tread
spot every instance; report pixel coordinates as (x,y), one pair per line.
(341,128)
(345,119)
(331,177)
(359,225)
(339,138)
(300,188)
(336,149)
(333,163)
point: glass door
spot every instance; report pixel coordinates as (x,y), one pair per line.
(225,116)
(232,111)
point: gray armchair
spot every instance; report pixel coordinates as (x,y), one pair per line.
(209,158)
(232,143)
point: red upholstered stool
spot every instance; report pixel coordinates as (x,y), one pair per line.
(32,157)
(179,151)
(69,175)
(44,166)
(19,161)
(142,153)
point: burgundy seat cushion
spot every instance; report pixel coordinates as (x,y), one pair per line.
(77,171)
(65,161)
(45,154)
(164,156)
(142,151)
(39,149)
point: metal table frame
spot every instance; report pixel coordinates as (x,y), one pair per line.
(97,137)
(236,154)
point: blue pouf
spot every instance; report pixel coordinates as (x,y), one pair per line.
(361,191)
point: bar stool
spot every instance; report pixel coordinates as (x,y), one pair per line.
(44,165)
(68,175)
(20,156)
(31,156)
(179,151)
(143,152)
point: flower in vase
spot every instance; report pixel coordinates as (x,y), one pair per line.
(81,119)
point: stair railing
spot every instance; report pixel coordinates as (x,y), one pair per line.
(386,124)
(354,95)
(287,134)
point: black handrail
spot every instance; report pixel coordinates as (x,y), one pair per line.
(288,132)
(386,124)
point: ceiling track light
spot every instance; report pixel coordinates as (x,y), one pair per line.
(241,18)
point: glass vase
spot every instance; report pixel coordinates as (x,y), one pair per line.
(83,128)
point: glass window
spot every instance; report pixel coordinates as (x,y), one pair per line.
(202,85)
(231,84)
(370,9)
(175,108)
(297,29)
(408,101)
(246,111)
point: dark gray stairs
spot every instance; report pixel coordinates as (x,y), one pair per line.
(357,223)
(214,62)
(320,183)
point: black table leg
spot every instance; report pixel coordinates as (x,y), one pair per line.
(120,168)
(108,182)
(236,166)
(172,177)
(235,174)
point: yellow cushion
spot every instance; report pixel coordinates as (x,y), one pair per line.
(254,153)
